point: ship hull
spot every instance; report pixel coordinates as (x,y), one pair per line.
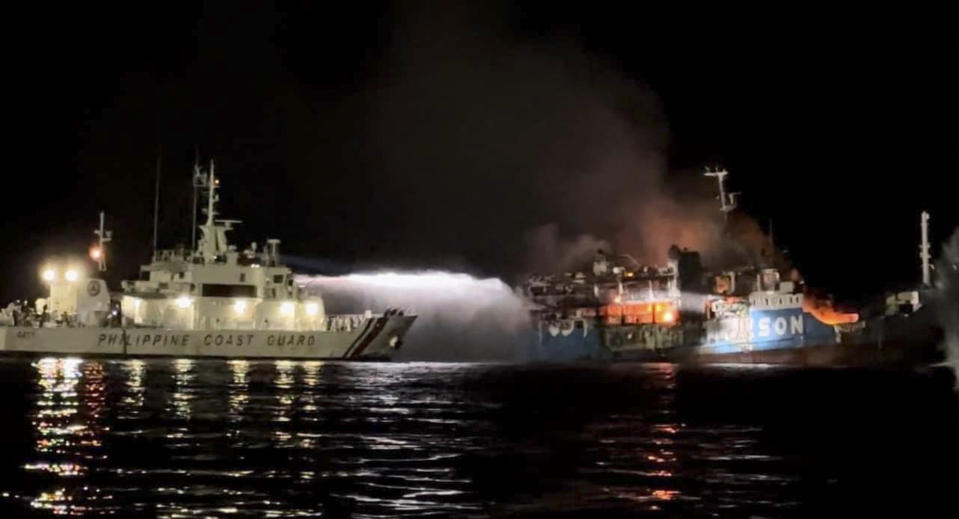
(888,353)
(797,339)
(826,355)
(377,338)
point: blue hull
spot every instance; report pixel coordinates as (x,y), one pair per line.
(759,331)
(575,346)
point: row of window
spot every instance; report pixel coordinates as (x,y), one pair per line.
(779,300)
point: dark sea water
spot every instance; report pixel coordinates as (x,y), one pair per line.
(181,438)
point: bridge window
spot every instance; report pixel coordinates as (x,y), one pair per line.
(219,290)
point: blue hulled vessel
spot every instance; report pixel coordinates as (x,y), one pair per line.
(617,309)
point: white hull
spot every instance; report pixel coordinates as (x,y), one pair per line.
(376,337)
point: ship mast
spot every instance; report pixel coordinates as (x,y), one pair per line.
(103,236)
(727,201)
(207,247)
(213,243)
(198,181)
(211,196)
(156,207)
(924,249)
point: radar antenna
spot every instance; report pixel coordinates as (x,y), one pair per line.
(727,201)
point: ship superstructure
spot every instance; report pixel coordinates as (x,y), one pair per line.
(613,305)
(213,300)
(216,286)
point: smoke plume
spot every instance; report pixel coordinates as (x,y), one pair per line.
(460,317)
(463,139)
(548,251)
(535,150)
(947,279)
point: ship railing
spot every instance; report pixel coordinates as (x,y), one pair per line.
(32,319)
(173,255)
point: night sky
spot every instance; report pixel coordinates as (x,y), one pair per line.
(459,136)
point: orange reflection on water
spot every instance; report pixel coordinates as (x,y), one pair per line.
(665,495)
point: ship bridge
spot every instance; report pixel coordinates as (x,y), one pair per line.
(217,286)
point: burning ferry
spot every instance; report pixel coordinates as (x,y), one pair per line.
(214,301)
(616,308)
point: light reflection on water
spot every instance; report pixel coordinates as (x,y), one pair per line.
(134,370)
(238,388)
(211,438)
(184,389)
(68,431)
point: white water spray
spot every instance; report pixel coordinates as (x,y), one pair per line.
(461,318)
(947,270)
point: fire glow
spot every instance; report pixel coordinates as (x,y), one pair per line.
(824,311)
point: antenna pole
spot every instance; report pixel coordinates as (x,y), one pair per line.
(156,208)
(924,248)
(103,236)
(197,182)
(211,199)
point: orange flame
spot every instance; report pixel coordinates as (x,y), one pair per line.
(641,312)
(823,310)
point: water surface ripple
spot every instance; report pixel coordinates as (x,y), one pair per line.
(185,438)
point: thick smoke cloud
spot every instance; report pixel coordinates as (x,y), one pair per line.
(548,251)
(463,141)
(532,150)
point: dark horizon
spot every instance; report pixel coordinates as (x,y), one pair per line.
(445,136)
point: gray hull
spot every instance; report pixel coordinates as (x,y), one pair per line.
(375,338)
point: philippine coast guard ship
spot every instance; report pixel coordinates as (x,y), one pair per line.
(214,301)
(616,308)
